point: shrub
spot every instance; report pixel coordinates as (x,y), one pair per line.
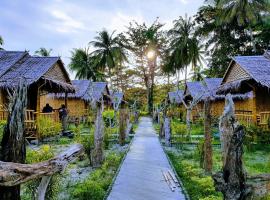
(33,156)
(88,190)
(88,144)
(108,117)
(96,185)
(2,126)
(47,127)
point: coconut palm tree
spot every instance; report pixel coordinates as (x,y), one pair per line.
(43,52)
(185,47)
(1,43)
(107,51)
(85,65)
(246,12)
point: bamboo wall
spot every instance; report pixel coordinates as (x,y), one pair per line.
(76,107)
(262,100)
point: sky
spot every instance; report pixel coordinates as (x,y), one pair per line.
(62,25)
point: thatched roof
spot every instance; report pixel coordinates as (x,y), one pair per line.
(118,99)
(16,65)
(209,87)
(86,90)
(176,96)
(195,89)
(257,69)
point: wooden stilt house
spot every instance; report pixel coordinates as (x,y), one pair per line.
(41,74)
(78,103)
(250,73)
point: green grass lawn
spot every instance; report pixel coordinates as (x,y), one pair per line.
(199,185)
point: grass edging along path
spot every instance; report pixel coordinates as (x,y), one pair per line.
(118,170)
(175,173)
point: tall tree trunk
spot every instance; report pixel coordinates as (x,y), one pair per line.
(185,75)
(13,142)
(122,126)
(98,154)
(208,163)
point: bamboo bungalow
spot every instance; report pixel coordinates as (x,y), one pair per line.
(176,107)
(208,87)
(41,75)
(250,73)
(78,102)
(194,94)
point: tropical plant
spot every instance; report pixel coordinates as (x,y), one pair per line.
(141,41)
(185,48)
(85,65)
(246,12)
(108,51)
(1,43)
(43,52)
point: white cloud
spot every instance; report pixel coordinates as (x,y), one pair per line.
(64,23)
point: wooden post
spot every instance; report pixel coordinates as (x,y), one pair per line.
(66,103)
(254,107)
(122,126)
(13,142)
(97,155)
(207,135)
(167,131)
(38,111)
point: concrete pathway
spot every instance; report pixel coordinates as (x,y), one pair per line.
(140,177)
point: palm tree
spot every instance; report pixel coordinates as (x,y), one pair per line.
(246,12)
(43,52)
(85,65)
(107,51)
(185,47)
(1,43)
(198,74)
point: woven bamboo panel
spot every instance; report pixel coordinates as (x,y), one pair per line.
(217,108)
(235,73)
(76,107)
(262,100)
(56,73)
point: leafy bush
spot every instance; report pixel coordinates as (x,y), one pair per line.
(88,144)
(96,185)
(88,190)
(108,117)
(33,156)
(2,126)
(47,127)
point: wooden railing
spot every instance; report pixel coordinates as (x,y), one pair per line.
(245,119)
(264,119)
(3,115)
(53,115)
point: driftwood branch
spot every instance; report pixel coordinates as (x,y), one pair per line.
(12,174)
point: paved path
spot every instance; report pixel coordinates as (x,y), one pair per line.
(140,177)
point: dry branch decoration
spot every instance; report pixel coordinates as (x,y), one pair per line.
(231,181)
(13,142)
(13,174)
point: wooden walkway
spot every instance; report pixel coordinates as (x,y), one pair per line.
(140,177)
